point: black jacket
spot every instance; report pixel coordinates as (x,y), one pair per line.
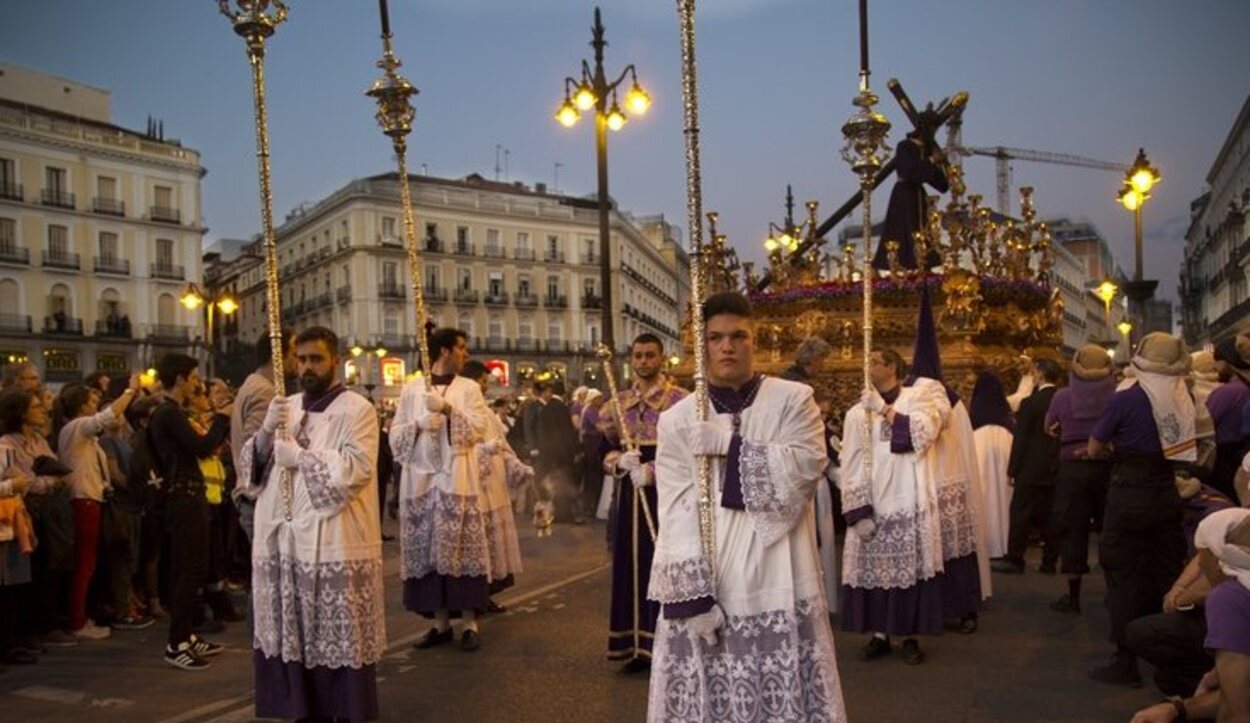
(557,440)
(1034,453)
(178,447)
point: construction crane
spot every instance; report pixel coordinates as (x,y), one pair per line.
(1004,156)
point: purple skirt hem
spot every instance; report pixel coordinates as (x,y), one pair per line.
(433,592)
(289,690)
(921,609)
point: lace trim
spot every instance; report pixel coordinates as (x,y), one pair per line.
(772,666)
(905,550)
(403,438)
(773,508)
(443,533)
(516,472)
(921,437)
(680,580)
(959,537)
(323,493)
(327,614)
(463,434)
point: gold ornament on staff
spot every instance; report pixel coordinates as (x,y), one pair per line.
(605,357)
(694,218)
(395,114)
(255,21)
(866,151)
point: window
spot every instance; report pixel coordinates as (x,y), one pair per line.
(164,253)
(588,286)
(465,324)
(431,278)
(347,275)
(555,331)
(8,172)
(462,237)
(464,279)
(388,226)
(525,330)
(523,284)
(592,333)
(106,188)
(390,274)
(431,231)
(495,328)
(58,240)
(8,235)
(164,197)
(553,287)
(522,240)
(108,246)
(390,324)
(495,282)
(492,240)
(553,244)
(54,179)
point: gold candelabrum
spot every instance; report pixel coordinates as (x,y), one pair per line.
(719,263)
(255,21)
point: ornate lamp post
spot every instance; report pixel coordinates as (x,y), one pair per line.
(357,351)
(1140,178)
(592,92)
(223,301)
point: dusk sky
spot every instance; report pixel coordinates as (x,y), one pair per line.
(1091,77)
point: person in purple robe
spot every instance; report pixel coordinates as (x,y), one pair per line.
(1227,404)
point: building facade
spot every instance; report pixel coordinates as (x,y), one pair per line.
(1215,299)
(516,268)
(100,232)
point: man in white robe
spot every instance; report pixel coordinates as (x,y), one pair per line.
(743,636)
(445,559)
(317,600)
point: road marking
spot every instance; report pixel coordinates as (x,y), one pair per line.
(244,713)
(50,694)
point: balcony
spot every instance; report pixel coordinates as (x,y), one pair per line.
(435,295)
(499,298)
(320,301)
(170,333)
(493,252)
(590,258)
(111,331)
(324,253)
(590,301)
(492,343)
(432,245)
(552,301)
(466,296)
(344,294)
(465,249)
(12,191)
(554,256)
(11,254)
(56,198)
(164,214)
(526,345)
(108,206)
(15,324)
(526,299)
(112,265)
(161,270)
(523,254)
(392,291)
(61,260)
(62,324)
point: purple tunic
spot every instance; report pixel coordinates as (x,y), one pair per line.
(1129,425)
(1225,405)
(1228,618)
(1077,408)
(289,690)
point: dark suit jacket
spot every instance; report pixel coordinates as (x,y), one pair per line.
(1034,454)
(557,440)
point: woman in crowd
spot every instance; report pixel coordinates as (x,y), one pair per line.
(200,410)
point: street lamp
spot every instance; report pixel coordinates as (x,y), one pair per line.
(1126,327)
(1139,179)
(592,91)
(1107,291)
(380,352)
(223,301)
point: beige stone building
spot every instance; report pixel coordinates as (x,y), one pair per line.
(515,267)
(100,232)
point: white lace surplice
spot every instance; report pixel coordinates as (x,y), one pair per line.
(775,660)
(442,504)
(993,445)
(317,579)
(501,473)
(963,507)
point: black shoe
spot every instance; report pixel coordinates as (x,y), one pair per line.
(1047,568)
(495,608)
(968,624)
(470,641)
(183,657)
(1121,671)
(1066,605)
(434,637)
(876,648)
(635,666)
(1010,567)
(204,649)
(912,654)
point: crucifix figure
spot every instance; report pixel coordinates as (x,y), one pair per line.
(918,161)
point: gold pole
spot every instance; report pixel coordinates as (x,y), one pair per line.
(395,114)
(254,22)
(694,218)
(605,356)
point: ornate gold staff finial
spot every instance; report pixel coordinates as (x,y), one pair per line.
(393,94)
(255,21)
(606,358)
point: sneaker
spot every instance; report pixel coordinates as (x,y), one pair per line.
(876,648)
(60,639)
(91,631)
(183,657)
(912,654)
(204,649)
(134,622)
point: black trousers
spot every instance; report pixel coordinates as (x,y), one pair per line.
(1173,644)
(1031,507)
(1080,498)
(186,519)
(1142,547)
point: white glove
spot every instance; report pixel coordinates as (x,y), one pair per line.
(432,422)
(641,476)
(872,401)
(286,453)
(490,446)
(710,439)
(865,528)
(279,413)
(435,402)
(629,461)
(707,625)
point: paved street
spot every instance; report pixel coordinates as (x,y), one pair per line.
(543,660)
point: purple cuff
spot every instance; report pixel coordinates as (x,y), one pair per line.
(688,608)
(900,435)
(857,514)
(731,494)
